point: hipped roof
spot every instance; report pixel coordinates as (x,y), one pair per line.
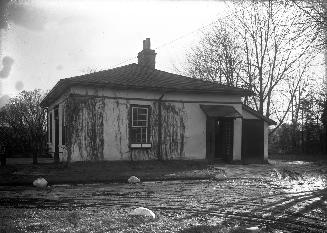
(135,76)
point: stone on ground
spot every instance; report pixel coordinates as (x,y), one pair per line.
(133,180)
(253,229)
(40,183)
(143,211)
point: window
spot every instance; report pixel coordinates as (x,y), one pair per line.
(139,131)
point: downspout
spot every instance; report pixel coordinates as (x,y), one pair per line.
(159,151)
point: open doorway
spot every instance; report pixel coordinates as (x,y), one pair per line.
(223,139)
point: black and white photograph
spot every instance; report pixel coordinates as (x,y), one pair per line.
(172,116)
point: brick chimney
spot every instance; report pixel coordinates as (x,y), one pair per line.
(147,57)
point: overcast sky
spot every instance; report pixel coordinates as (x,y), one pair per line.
(49,40)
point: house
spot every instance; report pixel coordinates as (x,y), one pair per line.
(136,112)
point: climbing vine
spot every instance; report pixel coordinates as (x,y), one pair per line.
(173,130)
(173,118)
(84,122)
(85,119)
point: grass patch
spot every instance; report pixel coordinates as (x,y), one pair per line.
(100,171)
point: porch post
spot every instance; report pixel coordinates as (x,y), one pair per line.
(237,140)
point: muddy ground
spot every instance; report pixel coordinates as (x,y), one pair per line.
(276,197)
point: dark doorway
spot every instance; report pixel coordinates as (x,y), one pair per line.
(56,141)
(223,139)
(220,133)
(253,141)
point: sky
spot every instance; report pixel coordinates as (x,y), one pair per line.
(47,40)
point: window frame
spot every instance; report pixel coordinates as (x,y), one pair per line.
(147,143)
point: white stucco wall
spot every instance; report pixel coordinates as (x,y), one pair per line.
(237,141)
(116,145)
(195,132)
(116,116)
(155,95)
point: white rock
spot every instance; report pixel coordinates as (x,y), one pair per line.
(253,229)
(133,180)
(143,211)
(40,183)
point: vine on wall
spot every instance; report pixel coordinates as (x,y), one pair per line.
(84,122)
(85,128)
(173,130)
(173,117)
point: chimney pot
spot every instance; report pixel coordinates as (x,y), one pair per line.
(147,57)
(146,43)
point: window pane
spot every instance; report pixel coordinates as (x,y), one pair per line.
(134,112)
(133,134)
(141,117)
(139,125)
(138,135)
(143,111)
(143,134)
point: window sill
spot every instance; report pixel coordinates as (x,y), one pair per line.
(140,145)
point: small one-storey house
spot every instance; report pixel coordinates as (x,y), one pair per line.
(136,112)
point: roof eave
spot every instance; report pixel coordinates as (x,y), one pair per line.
(257,114)
(242,92)
(54,93)
(63,84)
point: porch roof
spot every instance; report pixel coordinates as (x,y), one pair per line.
(220,111)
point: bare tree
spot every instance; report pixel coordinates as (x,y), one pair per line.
(26,118)
(217,57)
(316,12)
(268,46)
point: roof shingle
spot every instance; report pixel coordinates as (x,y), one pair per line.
(141,77)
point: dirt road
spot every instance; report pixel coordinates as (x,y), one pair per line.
(284,197)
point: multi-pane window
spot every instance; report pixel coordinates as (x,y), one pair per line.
(139,125)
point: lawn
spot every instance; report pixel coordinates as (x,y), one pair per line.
(186,197)
(105,171)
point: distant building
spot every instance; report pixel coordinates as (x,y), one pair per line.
(136,112)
